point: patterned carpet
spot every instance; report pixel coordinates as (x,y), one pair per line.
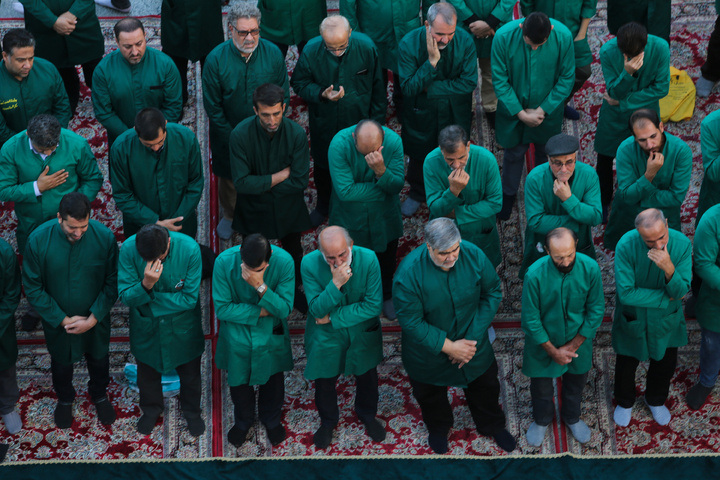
(87,439)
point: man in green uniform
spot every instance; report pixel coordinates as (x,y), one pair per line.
(270,164)
(67,34)
(533,65)
(9,298)
(232,73)
(636,68)
(563,305)
(710,146)
(710,71)
(156,174)
(134,77)
(706,253)
(446,294)
(39,166)
(189,30)
(655,15)
(343,334)
(339,75)
(367,167)
(653,171)
(565,193)
(576,16)
(253,289)
(482,18)
(462,182)
(438,73)
(29,86)
(291,22)
(70,279)
(159,279)
(652,274)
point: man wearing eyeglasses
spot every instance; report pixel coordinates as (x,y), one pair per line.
(564,193)
(340,78)
(232,72)
(156,174)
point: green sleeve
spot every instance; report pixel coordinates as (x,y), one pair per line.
(633,187)
(393,180)
(279,301)
(489,205)
(61,104)
(123,194)
(674,196)
(527,7)
(503,11)
(109,293)
(710,147)
(299,166)
(586,210)
(130,287)
(440,200)
(166,303)
(322,299)
(103,105)
(415,76)
(538,219)
(707,249)
(34,282)
(172,106)
(196,182)
(10,189)
(679,284)
(530,319)
(563,86)
(41,11)
(589,9)
(225,309)
(463,12)
(10,293)
(655,91)
(627,290)
(342,175)
(90,178)
(302,80)
(378,101)
(467,81)
(500,59)
(348,9)
(5,131)
(82,8)
(213,97)
(409,310)
(239,164)
(490,299)
(594,304)
(370,306)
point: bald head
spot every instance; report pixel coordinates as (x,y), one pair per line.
(561,245)
(335,245)
(368,136)
(648,218)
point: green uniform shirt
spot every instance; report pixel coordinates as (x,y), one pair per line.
(150,186)
(432,305)
(707,266)
(228,85)
(653,14)
(527,78)
(9,299)
(64,279)
(84,44)
(635,193)
(386,23)
(20,167)
(42,91)
(476,206)
(367,206)
(357,71)
(190,28)
(435,97)
(648,310)
(120,90)
(250,347)
(545,211)
(555,308)
(644,89)
(495,13)
(165,322)
(254,157)
(291,22)
(351,344)
(710,146)
(570,13)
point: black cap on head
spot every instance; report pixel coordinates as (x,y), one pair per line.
(561,144)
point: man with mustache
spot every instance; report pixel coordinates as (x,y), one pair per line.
(653,171)
(563,305)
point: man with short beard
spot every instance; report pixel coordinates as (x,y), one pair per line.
(563,305)
(563,193)
(653,171)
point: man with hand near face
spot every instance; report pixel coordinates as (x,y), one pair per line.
(564,193)
(156,174)
(652,274)
(159,279)
(253,288)
(446,294)
(134,77)
(70,279)
(343,334)
(653,171)
(462,182)
(563,305)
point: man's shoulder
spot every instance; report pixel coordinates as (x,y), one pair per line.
(508,30)
(712,122)
(677,144)
(158,58)
(679,237)
(18,140)
(218,52)
(560,31)
(627,242)
(610,50)
(413,261)
(587,264)
(6,250)
(101,229)
(112,60)
(74,139)
(584,171)
(184,242)
(657,44)
(181,132)
(538,174)
(125,141)
(45,69)
(362,41)
(628,147)
(280,254)
(413,37)
(42,232)
(537,273)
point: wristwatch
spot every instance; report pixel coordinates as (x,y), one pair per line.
(261,289)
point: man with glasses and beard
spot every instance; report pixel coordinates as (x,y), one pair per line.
(563,305)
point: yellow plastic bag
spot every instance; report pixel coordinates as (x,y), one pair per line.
(680,102)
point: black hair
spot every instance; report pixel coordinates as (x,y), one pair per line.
(127,25)
(151,241)
(537,27)
(75,205)
(17,38)
(148,122)
(644,115)
(255,250)
(44,130)
(631,39)
(452,137)
(268,94)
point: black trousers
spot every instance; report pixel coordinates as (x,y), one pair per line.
(182,66)
(292,243)
(284,47)
(366,398)
(541,392)
(151,395)
(98,370)
(271,396)
(71,79)
(323,186)
(604,170)
(9,391)
(711,67)
(658,379)
(388,263)
(416,179)
(482,395)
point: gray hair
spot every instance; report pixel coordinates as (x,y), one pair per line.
(441,233)
(345,233)
(334,21)
(452,137)
(44,130)
(559,232)
(648,218)
(243,9)
(446,11)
